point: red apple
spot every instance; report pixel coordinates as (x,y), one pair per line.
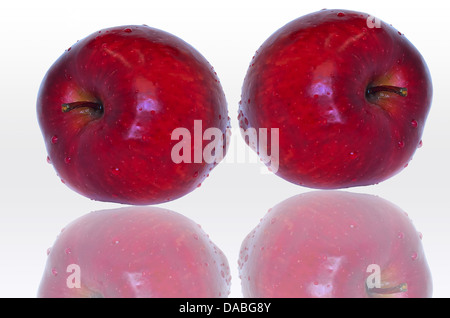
(134,252)
(334,244)
(108,107)
(349,94)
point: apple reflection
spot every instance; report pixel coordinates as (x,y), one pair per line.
(134,252)
(334,244)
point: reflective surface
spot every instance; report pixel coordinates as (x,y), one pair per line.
(35,204)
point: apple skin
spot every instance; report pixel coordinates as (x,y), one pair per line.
(310,79)
(147,83)
(320,244)
(136,252)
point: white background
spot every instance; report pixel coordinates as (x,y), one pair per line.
(229,204)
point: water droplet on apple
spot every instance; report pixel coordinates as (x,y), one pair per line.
(68,251)
(273,220)
(414,256)
(401,144)
(54,272)
(420,144)
(54,139)
(400,235)
(127,30)
(48,251)
(69,49)
(67,159)
(115,171)
(420,235)
(49,161)
(353,155)
(341,14)
(414,123)
(195,174)
(195,237)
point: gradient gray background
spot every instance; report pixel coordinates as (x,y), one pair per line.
(229,204)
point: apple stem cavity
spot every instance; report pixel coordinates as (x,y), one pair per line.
(403,287)
(95,107)
(402,91)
